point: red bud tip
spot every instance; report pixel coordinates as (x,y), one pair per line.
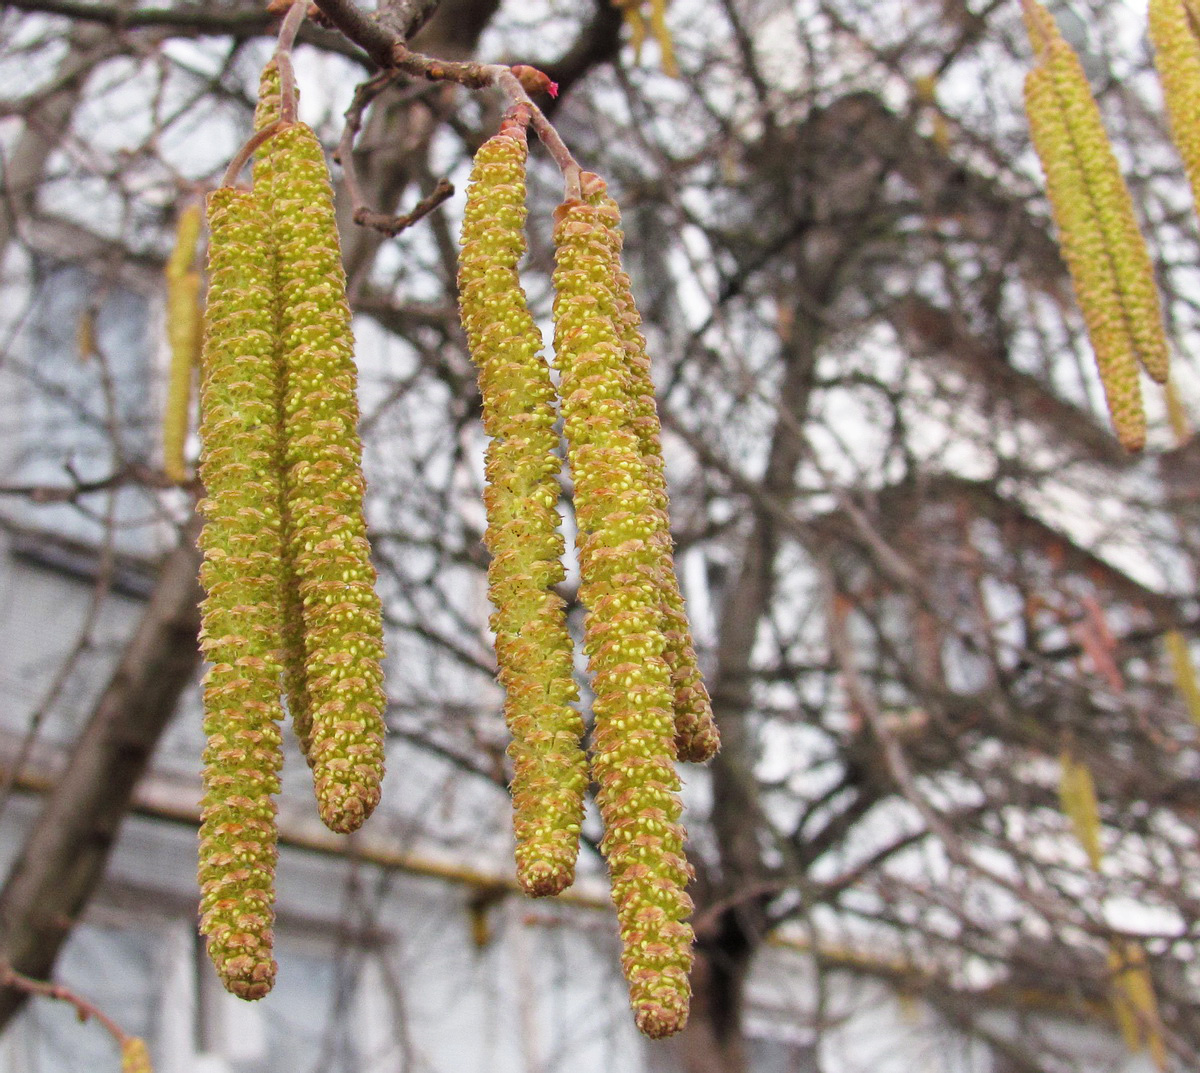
(534,81)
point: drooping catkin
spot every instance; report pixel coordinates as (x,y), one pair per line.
(295,679)
(184,334)
(1104,249)
(1184,672)
(1077,797)
(1134,1003)
(533,647)
(696,737)
(324,488)
(135,1056)
(242,576)
(1174,32)
(634,736)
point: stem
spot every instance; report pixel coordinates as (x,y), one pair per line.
(9,977)
(510,85)
(247,151)
(283,58)
(393,225)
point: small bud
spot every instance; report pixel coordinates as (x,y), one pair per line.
(534,81)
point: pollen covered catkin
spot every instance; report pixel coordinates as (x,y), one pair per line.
(242,576)
(1173,30)
(184,333)
(1098,231)
(533,647)
(633,746)
(324,487)
(696,737)
(295,680)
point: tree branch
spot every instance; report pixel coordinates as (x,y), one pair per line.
(65,853)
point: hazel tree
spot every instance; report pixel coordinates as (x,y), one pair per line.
(940,620)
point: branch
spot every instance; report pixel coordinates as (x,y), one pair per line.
(9,977)
(393,225)
(65,853)
(197,21)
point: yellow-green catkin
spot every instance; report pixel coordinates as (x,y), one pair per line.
(1104,249)
(323,483)
(242,576)
(135,1056)
(1077,796)
(696,736)
(634,735)
(1174,31)
(533,646)
(184,333)
(1184,672)
(294,655)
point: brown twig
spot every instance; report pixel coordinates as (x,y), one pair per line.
(50,493)
(9,977)
(362,214)
(393,225)
(283,59)
(389,48)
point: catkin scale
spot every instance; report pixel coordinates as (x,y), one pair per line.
(242,577)
(696,737)
(533,647)
(1100,239)
(323,484)
(633,745)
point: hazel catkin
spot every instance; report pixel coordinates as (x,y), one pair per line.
(633,745)
(696,737)
(295,678)
(184,334)
(533,647)
(241,574)
(1103,247)
(1173,30)
(323,482)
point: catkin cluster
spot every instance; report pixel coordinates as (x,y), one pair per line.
(290,605)
(650,707)
(1098,231)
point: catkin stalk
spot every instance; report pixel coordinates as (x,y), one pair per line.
(533,647)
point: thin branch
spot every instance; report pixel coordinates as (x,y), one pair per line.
(9,977)
(194,21)
(242,158)
(393,225)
